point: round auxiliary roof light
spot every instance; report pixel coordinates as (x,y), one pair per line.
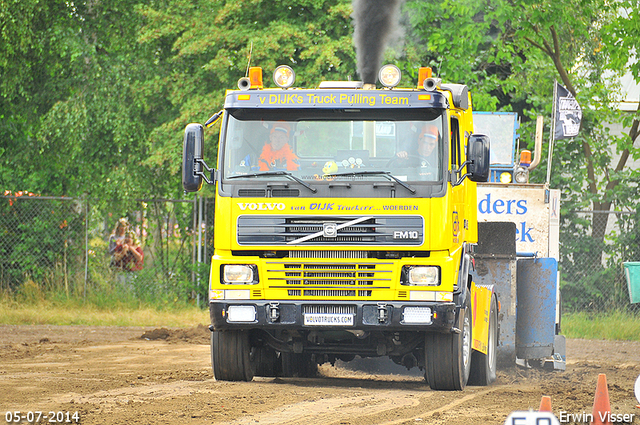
(284,77)
(521,175)
(389,75)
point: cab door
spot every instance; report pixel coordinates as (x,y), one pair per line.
(457,191)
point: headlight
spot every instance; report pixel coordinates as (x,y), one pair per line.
(239,273)
(241,313)
(389,75)
(421,275)
(417,315)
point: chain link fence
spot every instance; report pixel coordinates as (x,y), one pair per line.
(60,245)
(593,246)
(42,244)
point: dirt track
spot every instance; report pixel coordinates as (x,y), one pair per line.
(111,375)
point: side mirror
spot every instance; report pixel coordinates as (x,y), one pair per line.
(478,156)
(191,156)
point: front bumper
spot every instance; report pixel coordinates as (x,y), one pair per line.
(366,315)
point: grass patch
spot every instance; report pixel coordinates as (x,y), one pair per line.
(105,304)
(75,312)
(615,325)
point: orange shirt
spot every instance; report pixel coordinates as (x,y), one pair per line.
(281,159)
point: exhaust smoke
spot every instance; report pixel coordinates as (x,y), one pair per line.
(375,22)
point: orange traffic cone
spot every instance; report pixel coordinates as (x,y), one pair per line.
(545,404)
(601,404)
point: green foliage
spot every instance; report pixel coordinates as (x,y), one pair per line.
(510,54)
(42,253)
(592,277)
(169,269)
(101,92)
(615,325)
(475,58)
(94,96)
(207,48)
(41,242)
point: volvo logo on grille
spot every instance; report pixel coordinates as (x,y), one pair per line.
(405,235)
(329,230)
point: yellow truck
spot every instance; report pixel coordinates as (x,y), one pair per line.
(345,225)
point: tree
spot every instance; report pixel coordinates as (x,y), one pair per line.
(74,112)
(33,65)
(517,50)
(464,43)
(600,37)
(512,45)
(207,47)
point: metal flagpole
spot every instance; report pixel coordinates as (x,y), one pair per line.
(553,129)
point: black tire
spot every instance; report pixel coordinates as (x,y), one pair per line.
(448,356)
(484,366)
(231,356)
(300,365)
(268,363)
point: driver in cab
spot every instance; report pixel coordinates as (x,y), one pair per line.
(426,154)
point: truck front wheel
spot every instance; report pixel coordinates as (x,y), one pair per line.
(231,356)
(448,356)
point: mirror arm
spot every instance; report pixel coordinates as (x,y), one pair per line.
(459,171)
(213,119)
(199,165)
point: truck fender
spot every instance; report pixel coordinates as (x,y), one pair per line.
(481,296)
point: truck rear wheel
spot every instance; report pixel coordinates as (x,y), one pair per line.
(483,366)
(448,356)
(298,364)
(231,356)
(268,363)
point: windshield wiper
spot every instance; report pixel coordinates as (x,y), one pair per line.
(378,173)
(276,173)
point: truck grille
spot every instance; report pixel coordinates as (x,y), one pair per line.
(328,254)
(406,230)
(326,279)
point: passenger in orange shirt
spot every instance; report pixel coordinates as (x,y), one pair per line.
(277,154)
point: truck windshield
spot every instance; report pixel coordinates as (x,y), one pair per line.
(327,149)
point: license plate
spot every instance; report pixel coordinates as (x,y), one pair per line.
(328,319)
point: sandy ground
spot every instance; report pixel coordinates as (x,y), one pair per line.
(114,375)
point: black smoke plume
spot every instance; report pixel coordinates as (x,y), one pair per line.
(375,21)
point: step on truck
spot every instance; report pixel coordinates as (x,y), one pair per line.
(345,225)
